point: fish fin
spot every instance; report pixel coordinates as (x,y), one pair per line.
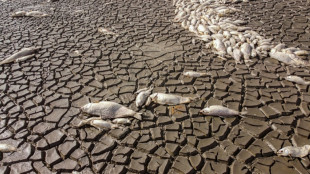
(138,116)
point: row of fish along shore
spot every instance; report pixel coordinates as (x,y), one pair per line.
(201,92)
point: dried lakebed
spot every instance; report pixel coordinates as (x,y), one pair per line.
(40,97)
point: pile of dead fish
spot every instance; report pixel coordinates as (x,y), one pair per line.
(211,21)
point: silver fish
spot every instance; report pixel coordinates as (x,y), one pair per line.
(108,109)
(290,59)
(5,148)
(36,14)
(246,50)
(19,14)
(218,110)
(142,96)
(219,46)
(297,80)
(23,54)
(194,74)
(168,99)
(121,121)
(237,55)
(301,53)
(98,123)
(294,151)
(105,31)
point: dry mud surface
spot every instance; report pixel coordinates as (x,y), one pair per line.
(40,98)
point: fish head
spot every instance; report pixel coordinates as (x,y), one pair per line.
(284,152)
(288,77)
(86,107)
(205,111)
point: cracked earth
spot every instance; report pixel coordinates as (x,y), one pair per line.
(40,98)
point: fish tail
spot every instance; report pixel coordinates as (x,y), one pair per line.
(138,116)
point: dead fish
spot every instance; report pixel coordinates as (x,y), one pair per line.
(105,31)
(142,96)
(98,123)
(22,55)
(121,121)
(246,50)
(219,46)
(290,59)
(5,148)
(301,53)
(194,74)
(108,109)
(297,80)
(240,22)
(36,14)
(218,110)
(202,29)
(19,14)
(168,99)
(230,51)
(294,151)
(237,55)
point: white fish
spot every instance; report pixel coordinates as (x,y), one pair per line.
(7,148)
(287,58)
(168,99)
(121,121)
(98,123)
(237,55)
(202,29)
(230,51)
(36,14)
(297,80)
(301,53)
(23,54)
(142,96)
(218,110)
(105,31)
(246,50)
(219,46)
(294,151)
(19,14)
(108,109)
(194,74)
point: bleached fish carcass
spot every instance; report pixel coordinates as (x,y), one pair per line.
(297,80)
(218,110)
(5,148)
(105,31)
(98,123)
(121,121)
(142,96)
(36,14)
(108,109)
(194,74)
(292,151)
(237,55)
(246,50)
(219,46)
(168,99)
(21,55)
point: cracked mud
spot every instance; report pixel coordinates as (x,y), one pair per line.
(40,98)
